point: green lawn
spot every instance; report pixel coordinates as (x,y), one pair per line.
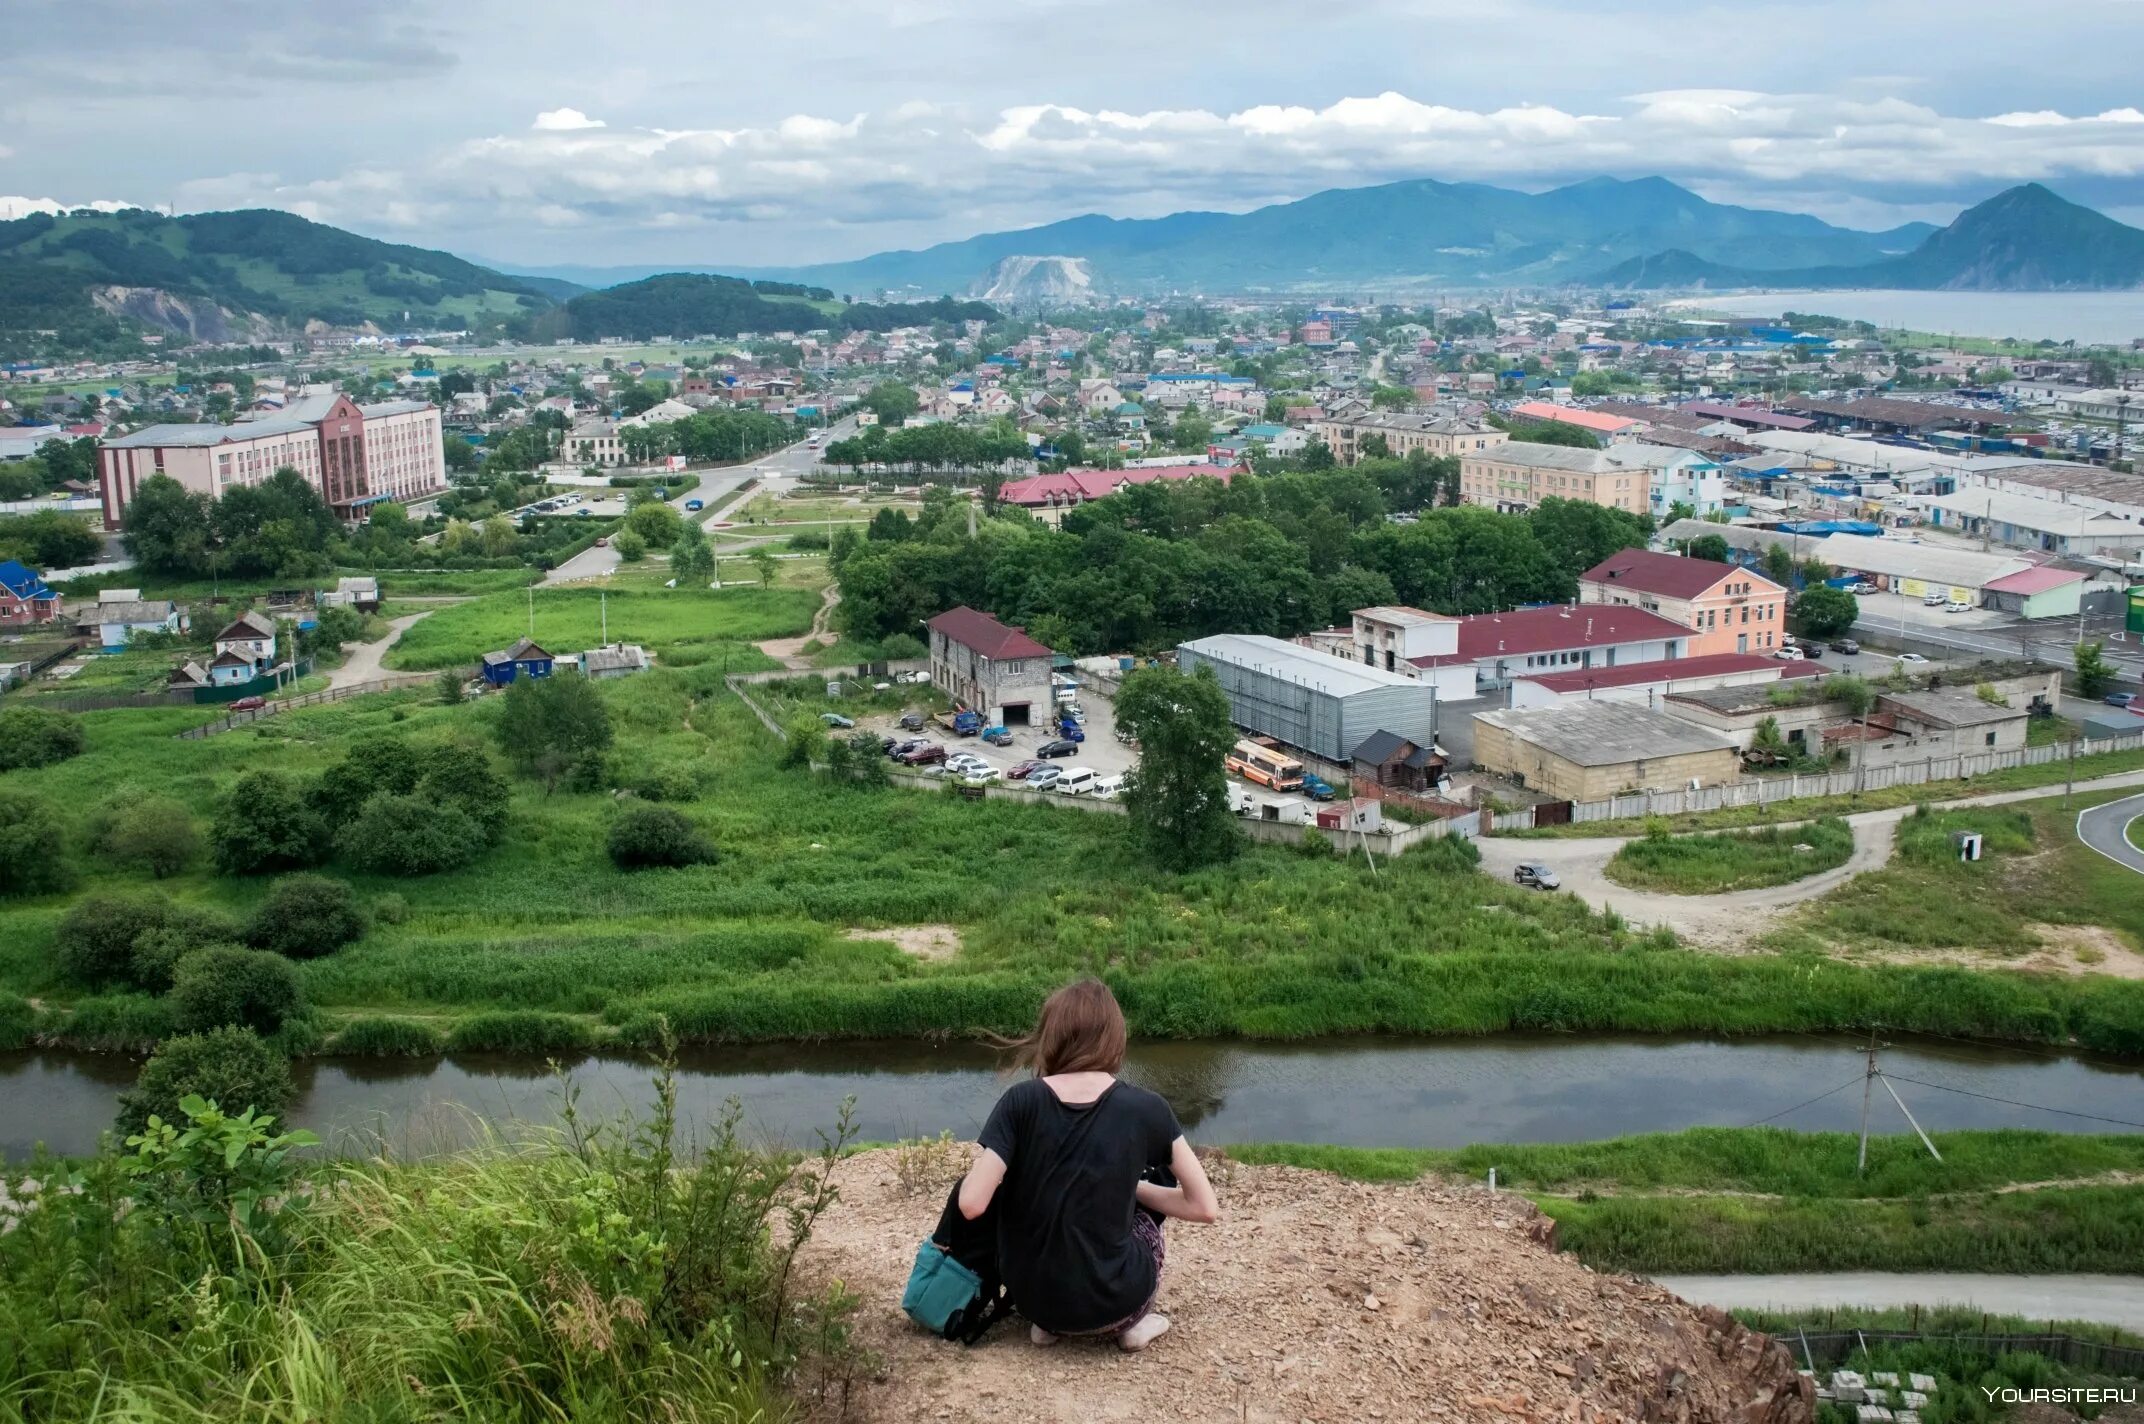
(690,622)
(1734,860)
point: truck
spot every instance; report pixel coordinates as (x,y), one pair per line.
(967,724)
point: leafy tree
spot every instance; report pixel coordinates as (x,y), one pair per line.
(1778,564)
(248,988)
(449,688)
(371,767)
(500,539)
(36,736)
(692,561)
(461,457)
(48,539)
(656,523)
(764,566)
(169,529)
(892,401)
(629,546)
(305,916)
(30,838)
(155,833)
(2094,673)
(229,1066)
(93,944)
(546,723)
(1711,547)
(463,776)
(411,835)
(264,824)
(1824,611)
(1178,793)
(1317,455)
(804,742)
(645,836)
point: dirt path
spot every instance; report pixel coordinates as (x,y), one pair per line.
(1729,921)
(363,664)
(789,651)
(1313,1299)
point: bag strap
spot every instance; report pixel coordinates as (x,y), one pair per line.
(999,1307)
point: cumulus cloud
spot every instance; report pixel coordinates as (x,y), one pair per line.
(931,164)
(16,206)
(564,121)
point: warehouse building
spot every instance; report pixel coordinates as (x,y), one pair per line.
(1312,701)
(1590,751)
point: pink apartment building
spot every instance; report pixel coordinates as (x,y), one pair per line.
(355,455)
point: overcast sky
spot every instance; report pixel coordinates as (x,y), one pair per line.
(807,130)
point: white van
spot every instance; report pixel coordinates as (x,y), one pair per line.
(1077,781)
(1109,788)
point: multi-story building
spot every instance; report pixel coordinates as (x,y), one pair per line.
(1515,476)
(1727,608)
(354,455)
(990,668)
(1404,434)
(1482,653)
(593,442)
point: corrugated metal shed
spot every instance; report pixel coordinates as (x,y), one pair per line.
(1320,703)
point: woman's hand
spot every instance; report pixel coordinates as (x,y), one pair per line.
(1192,1199)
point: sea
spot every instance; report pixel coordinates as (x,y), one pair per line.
(2087,318)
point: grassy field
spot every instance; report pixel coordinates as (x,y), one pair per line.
(667,621)
(1735,860)
(1278,943)
(418,583)
(1810,808)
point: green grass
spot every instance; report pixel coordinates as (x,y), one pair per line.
(569,619)
(2135,832)
(1737,860)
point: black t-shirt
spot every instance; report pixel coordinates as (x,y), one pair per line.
(1065,1243)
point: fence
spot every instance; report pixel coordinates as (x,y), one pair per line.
(389,683)
(1764,791)
(2108,1357)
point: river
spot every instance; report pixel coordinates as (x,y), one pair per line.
(1368,1092)
(2089,318)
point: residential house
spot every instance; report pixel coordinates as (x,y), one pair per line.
(361,593)
(1727,609)
(245,649)
(24,597)
(991,668)
(120,620)
(1608,427)
(523,659)
(1047,497)
(593,442)
(613,660)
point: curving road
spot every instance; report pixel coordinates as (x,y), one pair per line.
(2106,830)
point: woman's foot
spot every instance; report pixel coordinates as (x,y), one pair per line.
(1036,1335)
(1143,1332)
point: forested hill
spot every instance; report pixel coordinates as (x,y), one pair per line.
(236,275)
(701,304)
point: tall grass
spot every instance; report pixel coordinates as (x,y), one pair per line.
(1736,860)
(572,618)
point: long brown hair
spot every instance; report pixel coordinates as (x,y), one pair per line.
(1080,1030)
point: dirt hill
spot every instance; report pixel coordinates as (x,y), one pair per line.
(1314,1299)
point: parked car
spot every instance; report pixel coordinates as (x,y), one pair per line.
(1534,873)
(1042,778)
(1241,802)
(1790,654)
(912,721)
(1071,731)
(1934,600)
(1862,587)
(1911,658)
(249,704)
(694,504)
(2120,699)
(1022,770)
(1957,605)
(998,736)
(922,756)
(965,762)
(1316,787)
(1057,747)
(835,719)
(1109,788)
(1845,645)
(897,745)
(980,776)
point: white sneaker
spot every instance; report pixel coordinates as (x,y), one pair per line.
(1144,1332)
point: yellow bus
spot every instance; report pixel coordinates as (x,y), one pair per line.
(1265,766)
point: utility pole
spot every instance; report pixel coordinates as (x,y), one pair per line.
(1868,1089)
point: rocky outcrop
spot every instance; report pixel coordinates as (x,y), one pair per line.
(1037,281)
(194,318)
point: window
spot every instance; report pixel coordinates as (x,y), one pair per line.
(1991,739)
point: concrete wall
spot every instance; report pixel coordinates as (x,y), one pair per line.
(1497,749)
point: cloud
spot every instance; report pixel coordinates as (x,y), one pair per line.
(564,121)
(12,207)
(941,170)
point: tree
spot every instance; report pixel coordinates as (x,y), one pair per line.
(691,560)
(30,840)
(461,457)
(36,736)
(1710,547)
(306,916)
(764,566)
(1778,564)
(411,835)
(804,742)
(500,539)
(249,988)
(1178,794)
(93,944)
(449,689)
(48,539)
(650,836)
(655,522)
(546,723)
(1317,455)
(892,402)
(155,833)
(229,1066)
(463,776)
(2094,673)
(265,824)
(629,547)
(1824,611)
(170,529)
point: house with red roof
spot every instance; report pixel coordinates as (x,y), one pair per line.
(1608,427)
(1047,497)
(1483,653)
(991,668)
(1725,608)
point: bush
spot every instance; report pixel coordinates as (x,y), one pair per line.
(902,647)
(251,988)
(229,1066)
(31,862)
(18,1021)
(411,835)
(458,774)
(645,836)
(385,1038)
(185,929)
(390,909)
(34,736)
(306,916)
(449,687)
(265,825)
(114,1023)
(629,547)
(155,834)
(520,1031)
(668,783)
(94,942)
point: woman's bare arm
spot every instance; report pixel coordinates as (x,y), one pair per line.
(1191,1199)
(981,1183)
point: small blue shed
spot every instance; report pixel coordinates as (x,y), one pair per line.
(523,659)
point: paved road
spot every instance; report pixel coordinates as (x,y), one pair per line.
(364,661)
(2108,1300)
(1731,918)
(783,464)
(2106,830)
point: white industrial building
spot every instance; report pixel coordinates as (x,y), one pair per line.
(1310,700)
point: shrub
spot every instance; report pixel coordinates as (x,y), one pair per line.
(668,783)
(645,836)
(229,1066)
(630,547)
(385,1038)
(520,1031)
(212,988)
(94,942)
(373,767)
(390,909)
(185,929)
(31,861)
(411,835)
(265,825)
(458,774)
(18,1021)
(902,647)
(306,916)
(448,688)
(115,1023)
(155,834)
(35,736)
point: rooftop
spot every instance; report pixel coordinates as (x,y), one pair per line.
(2034,512)
(1486,636)
(1605,733)
(1668,575)
(1569,415)
(202,436)
(974,629)
(1670,672)
(1950,707)
(1291,662)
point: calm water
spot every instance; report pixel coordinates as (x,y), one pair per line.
(2102,318)
(1355,1092)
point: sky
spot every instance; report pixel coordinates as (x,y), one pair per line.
(538,133)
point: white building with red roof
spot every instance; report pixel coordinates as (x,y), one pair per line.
(991,668)
(1483,653)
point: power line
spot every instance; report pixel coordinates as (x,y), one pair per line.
(2013,1102)
(1817,1099)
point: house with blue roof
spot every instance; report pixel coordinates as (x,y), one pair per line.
(25,598)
